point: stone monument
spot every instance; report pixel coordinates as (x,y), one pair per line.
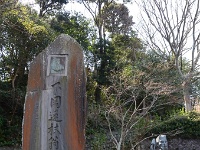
(55,106)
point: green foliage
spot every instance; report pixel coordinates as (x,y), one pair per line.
(10,135)
(96,119)
(98,141)
(116,18)
(127,49)
(10,115)
(50,6)
(104,62)
(91,86)
(96,128)
(5,90)
(185,125)
(75,25)
(118,69)
(25,35)
(30,31)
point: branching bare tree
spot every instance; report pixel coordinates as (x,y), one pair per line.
(126,111)
(173,30)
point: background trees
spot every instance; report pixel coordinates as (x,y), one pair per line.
(121,23)
(75,25)
(116,18)
(175,24)
(24,37)
(49,6)
(131,84)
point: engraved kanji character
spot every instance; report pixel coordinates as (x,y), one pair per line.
(56,130)
(56,102)
(50,129)
(53,142)
(54,116)
(57,89)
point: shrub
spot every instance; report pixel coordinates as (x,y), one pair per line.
(186,126)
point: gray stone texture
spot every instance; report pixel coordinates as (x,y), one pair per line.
(55,106)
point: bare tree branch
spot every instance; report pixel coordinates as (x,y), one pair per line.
(175,26)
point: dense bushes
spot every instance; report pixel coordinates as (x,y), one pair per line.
(185,125)
(10,134)
(176,123)
(11,112)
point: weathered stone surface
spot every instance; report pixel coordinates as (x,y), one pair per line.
(55,106)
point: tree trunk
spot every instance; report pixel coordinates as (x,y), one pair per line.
(119,144)
(101,69)
(42,9)
(186,94)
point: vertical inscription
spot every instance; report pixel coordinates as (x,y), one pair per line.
(54,118)
(54,129)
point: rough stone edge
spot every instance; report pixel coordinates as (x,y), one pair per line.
(67,38)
